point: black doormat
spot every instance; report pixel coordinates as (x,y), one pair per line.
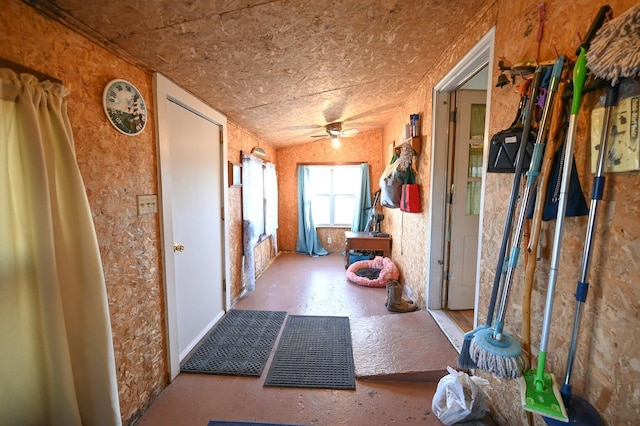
(239,345)
(313,352)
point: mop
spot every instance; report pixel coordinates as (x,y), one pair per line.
(539,391)
(464,359)
(614,54)
(492,349)
(555,136)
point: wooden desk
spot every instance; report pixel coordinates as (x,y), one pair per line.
(365,241)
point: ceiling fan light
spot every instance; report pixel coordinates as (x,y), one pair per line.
(335,141)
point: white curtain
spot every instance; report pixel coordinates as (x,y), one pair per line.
(56,363)
(271,203)
(252,214)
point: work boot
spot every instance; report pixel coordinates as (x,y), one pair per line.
(395,302)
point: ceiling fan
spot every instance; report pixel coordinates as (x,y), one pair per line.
(335,132)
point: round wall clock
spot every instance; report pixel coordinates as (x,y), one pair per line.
(124,106)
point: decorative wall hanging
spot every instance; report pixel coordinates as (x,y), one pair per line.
(125,107)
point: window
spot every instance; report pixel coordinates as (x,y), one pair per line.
(335,192)
(260,195)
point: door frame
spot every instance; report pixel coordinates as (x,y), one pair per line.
(480,55)
(166,91)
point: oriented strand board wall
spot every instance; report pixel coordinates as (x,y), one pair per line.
(364,147)
(338,241)
(606,372)
(115,169)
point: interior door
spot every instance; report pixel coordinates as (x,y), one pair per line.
(197,223)
(465,198)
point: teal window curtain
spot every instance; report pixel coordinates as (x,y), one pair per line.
(308,242)
(57,364)
(363,202)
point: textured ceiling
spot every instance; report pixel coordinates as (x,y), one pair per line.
(281,69)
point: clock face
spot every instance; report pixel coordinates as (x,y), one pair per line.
(124,107)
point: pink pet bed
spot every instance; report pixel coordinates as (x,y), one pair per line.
(388,270)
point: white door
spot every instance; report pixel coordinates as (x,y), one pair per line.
(197,223)
(465,198)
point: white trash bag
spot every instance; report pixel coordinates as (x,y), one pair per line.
(459,398)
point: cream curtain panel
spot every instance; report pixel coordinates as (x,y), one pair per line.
(56,354)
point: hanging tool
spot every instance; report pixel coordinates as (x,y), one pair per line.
(553,141)
(613,55)
(540,393)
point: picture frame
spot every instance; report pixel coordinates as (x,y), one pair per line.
(235,175)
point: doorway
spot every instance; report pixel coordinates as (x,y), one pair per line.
(192,155)
(440,254)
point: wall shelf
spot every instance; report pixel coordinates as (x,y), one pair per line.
(414,142)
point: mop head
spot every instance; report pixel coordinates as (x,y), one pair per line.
(502,358)
(615,50)
(547,402)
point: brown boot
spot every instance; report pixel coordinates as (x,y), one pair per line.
(395,302)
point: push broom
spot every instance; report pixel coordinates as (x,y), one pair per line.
(492,349)
(613,55)
(539,391)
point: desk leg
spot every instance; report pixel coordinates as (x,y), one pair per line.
(346,254)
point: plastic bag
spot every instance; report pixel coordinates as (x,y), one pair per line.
(459,398)
(391,185)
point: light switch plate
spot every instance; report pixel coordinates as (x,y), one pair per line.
(147,204)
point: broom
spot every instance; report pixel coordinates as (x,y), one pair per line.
(614,54)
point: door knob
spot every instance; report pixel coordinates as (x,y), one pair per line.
(178,247)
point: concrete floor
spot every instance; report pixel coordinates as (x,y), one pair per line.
(402,355)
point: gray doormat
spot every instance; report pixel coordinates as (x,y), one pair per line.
(313,352)
(239,345)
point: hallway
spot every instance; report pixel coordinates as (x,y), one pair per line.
(301,285)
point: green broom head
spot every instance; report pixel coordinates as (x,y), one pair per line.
(615,50)
(464,359)
(503,357)
(540,393)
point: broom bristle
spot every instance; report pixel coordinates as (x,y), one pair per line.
(615,50)
(464,359)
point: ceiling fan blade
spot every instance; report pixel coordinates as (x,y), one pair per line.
(320,136)
(349,132)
